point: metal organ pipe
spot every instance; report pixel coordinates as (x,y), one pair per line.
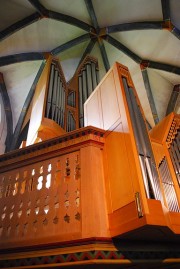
(94,79)
(54,94)
(147,163)
(50,89)
(81,120)
(89,80)
(84,86)
(57,101)
(60,102)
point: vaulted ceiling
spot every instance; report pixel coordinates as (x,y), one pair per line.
(141,34)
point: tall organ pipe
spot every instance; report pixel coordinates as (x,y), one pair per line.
(54,94)
(81,121)
(50,89)
(147,163)
(89,80)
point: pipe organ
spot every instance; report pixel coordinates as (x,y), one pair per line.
(59,104)
(87,186)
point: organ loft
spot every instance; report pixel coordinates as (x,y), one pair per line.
(90,186)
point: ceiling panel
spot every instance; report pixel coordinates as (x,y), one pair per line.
(172,78)
(44,35)
(12,11)
(123,11)
(76,9)
(161,90)
(155,45)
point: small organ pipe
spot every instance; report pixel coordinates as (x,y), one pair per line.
(50,89)
(93,70)
(80,101)
(54,94)
(57,101)
(84,86)
(89,80)
(97,76)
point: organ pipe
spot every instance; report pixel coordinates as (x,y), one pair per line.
(147,162)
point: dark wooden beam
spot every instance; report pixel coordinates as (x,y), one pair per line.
(39,7)
(122,48)
(70,20)
(134,26)
(165,9)
(25,108)
(150,96)
(8,112)
(92,14)
(19,25)
(70,44)
(87,51)
(173,99)
(104,54)
(22,57)
(165,67)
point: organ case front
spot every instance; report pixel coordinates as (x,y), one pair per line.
(137,206)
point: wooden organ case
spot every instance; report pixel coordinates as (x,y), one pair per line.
(136,195)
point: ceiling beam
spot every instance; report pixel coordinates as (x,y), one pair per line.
(87,51)
(19,25)
(70,44)
(173,99)
(70,20)
(39,7)
(26,105)
(165,67)
(150,95)
(122,48)
(22,57)
(8,112)
(104,54)
(92,14)
(165,9)
(158,25)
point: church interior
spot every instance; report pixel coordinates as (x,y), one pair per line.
(90,134)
